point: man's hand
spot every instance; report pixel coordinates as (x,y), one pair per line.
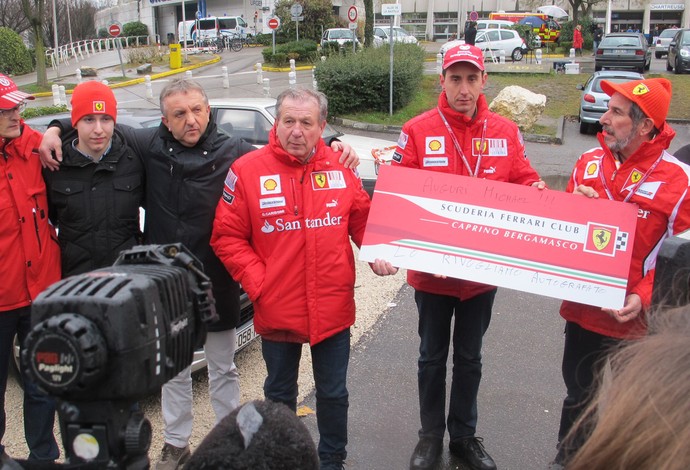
(541,184)
(349,157)
(383,268)
(631,309)
(51,145)
(585,190)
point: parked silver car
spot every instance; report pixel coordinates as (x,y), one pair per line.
(662,41)
(623,51)
(594,102)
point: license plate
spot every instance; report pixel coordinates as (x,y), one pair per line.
(245,336)
(621,51)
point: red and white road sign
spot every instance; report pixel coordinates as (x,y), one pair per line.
(352,14)
(114,29)
(274,23)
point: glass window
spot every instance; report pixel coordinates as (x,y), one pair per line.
(246,124)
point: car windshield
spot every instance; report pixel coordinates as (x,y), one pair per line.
(618,41)
(399,32)
(668,33)
(596,86)
(341,34)
(685,39)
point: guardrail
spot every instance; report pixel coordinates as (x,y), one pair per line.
(78,50)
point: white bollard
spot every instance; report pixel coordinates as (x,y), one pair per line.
(259,73)
(267,87)
(104,82)
(63,94)
(56,95)
(572,54)
(439,63)
(502,56)
(149,88)
(292,65)
(323,58)
(537,55)
(78,73)
(292,79)
(314,85)
(188,75)
(226,79)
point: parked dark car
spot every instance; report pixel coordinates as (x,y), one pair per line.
(678,58)
(594,102)
(623,51)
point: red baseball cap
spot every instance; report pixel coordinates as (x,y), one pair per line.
(464,53)
(10,96)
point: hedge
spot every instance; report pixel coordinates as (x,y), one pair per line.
(15,58)
(301,51)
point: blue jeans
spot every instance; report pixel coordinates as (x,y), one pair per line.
(39,409)
(329,361)
(472,318)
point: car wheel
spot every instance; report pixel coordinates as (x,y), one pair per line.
(584,128)
(676,68)
(517,54)
(669,67)
(657,55)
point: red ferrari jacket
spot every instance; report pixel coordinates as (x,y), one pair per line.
(29,252)
(282,229)
(493,149)
(659,183)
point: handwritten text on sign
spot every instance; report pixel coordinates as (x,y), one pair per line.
(544,242)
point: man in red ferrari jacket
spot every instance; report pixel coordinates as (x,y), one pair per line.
(30,257)
(460,136)
(283,229)
(633,166)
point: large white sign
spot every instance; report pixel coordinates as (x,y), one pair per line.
(391,9)
(667,6)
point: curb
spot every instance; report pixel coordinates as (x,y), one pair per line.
(390,129)
(136,81)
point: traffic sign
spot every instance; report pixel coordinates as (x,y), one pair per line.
(296,9)
(274,23)
(114,29)
(297,18)
(353,26)
(474,16)
(352,14)
(391,9)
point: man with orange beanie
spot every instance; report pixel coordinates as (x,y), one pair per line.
(95,197)
(29,262)
(632,166)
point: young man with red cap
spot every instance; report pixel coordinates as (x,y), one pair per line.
(95,197)
(632,166)
(461,136)
(30,262)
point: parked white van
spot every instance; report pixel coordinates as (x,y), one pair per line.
(493,24)
(212,27)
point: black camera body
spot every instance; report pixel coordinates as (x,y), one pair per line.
(105,339)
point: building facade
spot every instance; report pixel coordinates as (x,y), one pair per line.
(436,20)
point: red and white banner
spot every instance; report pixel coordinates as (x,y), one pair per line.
(545,242)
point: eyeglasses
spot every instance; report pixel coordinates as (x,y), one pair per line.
(8,112)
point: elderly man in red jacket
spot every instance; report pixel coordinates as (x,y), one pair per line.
(283,229)
(30,261)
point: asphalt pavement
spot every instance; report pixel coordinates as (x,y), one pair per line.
(521,390)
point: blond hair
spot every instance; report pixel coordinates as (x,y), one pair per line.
(640,417)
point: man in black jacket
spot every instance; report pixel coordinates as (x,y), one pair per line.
(187,160)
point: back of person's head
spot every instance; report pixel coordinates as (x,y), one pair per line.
(640,417)
(260,435)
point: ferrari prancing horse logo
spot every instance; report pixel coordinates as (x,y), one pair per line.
(601,238)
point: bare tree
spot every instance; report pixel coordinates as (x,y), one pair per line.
(12,16)
(82,14)
(369,23)
(34,10)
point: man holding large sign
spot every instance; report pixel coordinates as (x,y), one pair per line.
(632,166)
(461,136)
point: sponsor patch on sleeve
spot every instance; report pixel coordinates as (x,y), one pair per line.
(230,180)
(402,140)
(397,157)
(328,180)
(227,197)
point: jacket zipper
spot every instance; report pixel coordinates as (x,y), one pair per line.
(38,234)
(294,193)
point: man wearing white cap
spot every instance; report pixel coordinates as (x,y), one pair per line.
(461,136)
(30,261)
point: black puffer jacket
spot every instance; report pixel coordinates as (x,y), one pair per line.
(95,205)
(184,186)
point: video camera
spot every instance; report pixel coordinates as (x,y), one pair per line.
(105,339)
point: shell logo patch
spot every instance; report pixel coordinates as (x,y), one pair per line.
(99,106)
(270,184)
(435,145)
(591,170)
(640,89)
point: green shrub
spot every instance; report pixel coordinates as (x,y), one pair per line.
(14,56)
(301,51)
(360,82)
(29,113)
(264,39)
(103,33)
(133,29)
